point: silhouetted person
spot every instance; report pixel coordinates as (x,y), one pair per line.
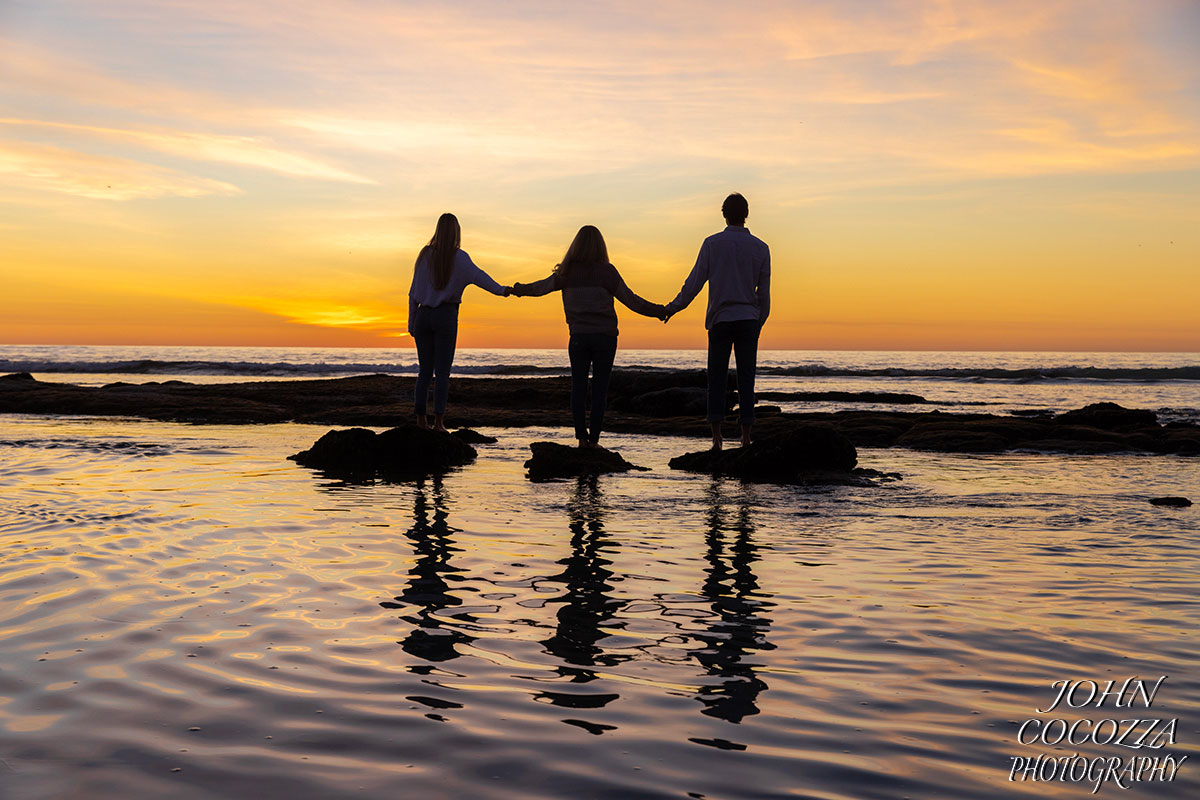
(441,273)
(429,580)
(589,283)
(737,268)
(585,607)
(585,603)
(739,627)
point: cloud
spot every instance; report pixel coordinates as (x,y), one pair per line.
(55,169)
(240,150)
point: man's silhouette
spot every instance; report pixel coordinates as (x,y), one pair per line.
(737,268)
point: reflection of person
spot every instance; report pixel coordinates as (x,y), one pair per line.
(586,604)
(738,626)
(428,588)
(589,283)
(737,268)
(441,273)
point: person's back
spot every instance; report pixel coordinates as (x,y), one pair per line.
(737,268)
(589,282)
(738,265)
(587,296)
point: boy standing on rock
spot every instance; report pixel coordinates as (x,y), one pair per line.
(737,268)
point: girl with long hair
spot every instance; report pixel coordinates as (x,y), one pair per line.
(441,272)
(589,283)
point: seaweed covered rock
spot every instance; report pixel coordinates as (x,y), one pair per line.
(404,452)
(551,460)
(801,454)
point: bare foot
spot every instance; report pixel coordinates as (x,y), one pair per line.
(422,421)
(440,428)
(583,443)
(718,444)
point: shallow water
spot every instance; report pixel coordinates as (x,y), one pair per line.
(184,613)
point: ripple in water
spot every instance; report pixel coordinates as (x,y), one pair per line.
(186,614)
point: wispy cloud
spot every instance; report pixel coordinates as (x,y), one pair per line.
(240,150)
(56,169)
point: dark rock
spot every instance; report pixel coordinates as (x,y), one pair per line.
(473,437)
(891,398)
(952,439)
(17,376)
(680,401)
(801,454)
(404,452)
(1176,502)
(376,401)
(551,460)
(1109,417)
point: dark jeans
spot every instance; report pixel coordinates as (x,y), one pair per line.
(595,351)
(742,337)
(435,329)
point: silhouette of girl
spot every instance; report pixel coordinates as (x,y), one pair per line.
(589,283)
(441,273)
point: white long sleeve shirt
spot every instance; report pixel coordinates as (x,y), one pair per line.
(737,267)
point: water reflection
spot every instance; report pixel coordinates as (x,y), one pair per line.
(585,605)
(738,626)
(428,592)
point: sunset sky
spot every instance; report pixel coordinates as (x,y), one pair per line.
(929,175)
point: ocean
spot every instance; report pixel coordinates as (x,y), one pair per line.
(184,613)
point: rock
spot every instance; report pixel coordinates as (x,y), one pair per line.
(471,436)
(1109,417)
(890,398)
(1176,502)
(952,439)
(551,460)
(678,401)
(17,376)
(404,452)
(801,454)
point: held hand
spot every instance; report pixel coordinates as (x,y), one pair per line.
(508,291)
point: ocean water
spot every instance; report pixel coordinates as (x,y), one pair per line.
(184,613)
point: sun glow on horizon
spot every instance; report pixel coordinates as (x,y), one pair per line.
(929,175)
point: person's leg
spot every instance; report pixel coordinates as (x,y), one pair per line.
(580,357)
(720,342)
(423,337)
(446,340)
(603,354)
(745,350)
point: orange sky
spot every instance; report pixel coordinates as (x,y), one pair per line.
(929,175)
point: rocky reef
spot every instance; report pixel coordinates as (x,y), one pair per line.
(664,403)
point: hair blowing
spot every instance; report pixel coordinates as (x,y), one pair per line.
(441,249)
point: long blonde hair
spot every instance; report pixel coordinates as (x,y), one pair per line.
(442,248)
(587,248)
